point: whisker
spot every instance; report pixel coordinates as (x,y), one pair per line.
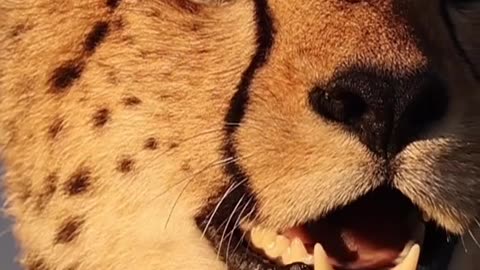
(473,238)
(188,180)
(228,222)
(463,244)
(476,221)
(225,221)
(188,139)
(236,226)
(226,193)
(242,237)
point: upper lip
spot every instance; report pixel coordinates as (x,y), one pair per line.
(375,231)
(245,254)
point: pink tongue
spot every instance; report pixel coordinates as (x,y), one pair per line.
(368,234)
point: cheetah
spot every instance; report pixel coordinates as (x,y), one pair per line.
(241,134)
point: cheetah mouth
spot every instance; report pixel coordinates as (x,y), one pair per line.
(382,230)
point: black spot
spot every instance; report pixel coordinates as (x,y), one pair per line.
(65,75)
(238,103)
(68,231)
(131,101)
(96,36)
(101,117)
(151,144)
(49,189)
(203,51)
(125,165)
(18,30)
(37,264)
(113,4)
(173,145)
(265,39)
(55,128)
(79,182)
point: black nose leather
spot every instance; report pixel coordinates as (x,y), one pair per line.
(386,112)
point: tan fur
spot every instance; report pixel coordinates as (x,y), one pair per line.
(143,124)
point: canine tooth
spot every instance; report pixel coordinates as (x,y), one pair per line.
(411,261)
(320,259)
(404,252)
(279,246)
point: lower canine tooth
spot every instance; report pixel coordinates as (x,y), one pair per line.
(411,261)
(320,259)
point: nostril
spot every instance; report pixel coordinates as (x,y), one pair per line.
(385,112)
(338,105)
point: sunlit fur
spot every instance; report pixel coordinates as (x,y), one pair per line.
(184,60)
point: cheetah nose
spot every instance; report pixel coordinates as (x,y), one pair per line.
(385,112)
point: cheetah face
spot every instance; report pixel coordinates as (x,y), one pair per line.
(351,141)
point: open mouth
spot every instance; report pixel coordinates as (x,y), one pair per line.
(382,230)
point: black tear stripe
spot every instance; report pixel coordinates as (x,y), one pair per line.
(241,199)
(456,42)
(238,103)
(236,113)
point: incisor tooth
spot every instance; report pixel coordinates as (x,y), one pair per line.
(296,253)
(298,249)
(256,237)
(287,257)
(411,261)
(320,259)
(299,252)
(269,239)
(280,245)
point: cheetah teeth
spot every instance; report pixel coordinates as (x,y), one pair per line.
(285,251)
